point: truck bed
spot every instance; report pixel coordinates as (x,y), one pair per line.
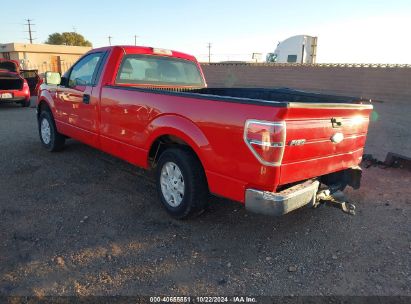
(279,97)
(308,117)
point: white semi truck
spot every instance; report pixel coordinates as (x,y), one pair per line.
(296,49)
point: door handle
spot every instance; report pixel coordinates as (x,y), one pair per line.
(86,98)
(336,122)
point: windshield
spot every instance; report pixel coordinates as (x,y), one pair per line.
(157,70)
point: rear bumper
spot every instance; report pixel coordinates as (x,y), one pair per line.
(15,99)
(280,203)
(17,95)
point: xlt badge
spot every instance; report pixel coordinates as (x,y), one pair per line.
(297,142)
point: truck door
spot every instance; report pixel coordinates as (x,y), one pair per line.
(78,103)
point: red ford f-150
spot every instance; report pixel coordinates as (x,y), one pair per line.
(270,149)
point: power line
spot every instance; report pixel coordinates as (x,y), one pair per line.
(209,52)
(29,24)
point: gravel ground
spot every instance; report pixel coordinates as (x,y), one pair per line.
(81,222)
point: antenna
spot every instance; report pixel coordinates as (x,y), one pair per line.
(209,52)
(29,24)
(109,40)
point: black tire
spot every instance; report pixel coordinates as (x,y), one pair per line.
(195,195)
(56,140)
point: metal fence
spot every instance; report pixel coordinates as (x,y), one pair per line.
(317,65)
(64,66)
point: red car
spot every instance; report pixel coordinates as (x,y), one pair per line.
(13,86)
(269,149)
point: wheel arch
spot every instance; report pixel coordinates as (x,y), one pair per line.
(42,105)
(45,100)
(161,143)
(171,130)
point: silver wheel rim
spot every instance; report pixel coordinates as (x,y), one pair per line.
(172,184)
(45,131)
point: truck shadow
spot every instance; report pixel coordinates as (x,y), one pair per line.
(217,209)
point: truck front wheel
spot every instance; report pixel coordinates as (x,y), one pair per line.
(181,183)
(51,139)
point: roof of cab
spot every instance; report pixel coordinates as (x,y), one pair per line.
(130,49)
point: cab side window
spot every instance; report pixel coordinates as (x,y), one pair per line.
(82,74)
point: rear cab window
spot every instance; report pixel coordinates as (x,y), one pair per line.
(158,71)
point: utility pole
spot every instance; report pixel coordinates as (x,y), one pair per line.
(29,24)
(109,40)
(135,39)
(209,52)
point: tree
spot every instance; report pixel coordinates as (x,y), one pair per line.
(68,38)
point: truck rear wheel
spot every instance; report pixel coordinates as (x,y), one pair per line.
(181,183)
(51,139)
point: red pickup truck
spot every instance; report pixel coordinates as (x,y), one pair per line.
(270,149)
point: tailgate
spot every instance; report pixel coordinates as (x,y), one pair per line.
(323,138)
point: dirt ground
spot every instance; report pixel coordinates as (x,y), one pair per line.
(81,222)
(390,130)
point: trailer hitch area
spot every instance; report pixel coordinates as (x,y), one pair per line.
(336,200)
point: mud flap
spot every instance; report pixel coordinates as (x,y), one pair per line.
(339,180)
(353,177)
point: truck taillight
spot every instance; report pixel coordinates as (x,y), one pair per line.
(266,140)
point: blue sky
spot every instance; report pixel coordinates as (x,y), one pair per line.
(349,31)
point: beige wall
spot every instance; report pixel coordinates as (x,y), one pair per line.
(40,56)
(386,83)
(42,61)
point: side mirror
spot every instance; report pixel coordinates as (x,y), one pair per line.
(53,78)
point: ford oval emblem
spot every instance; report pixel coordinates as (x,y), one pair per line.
(337,137)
